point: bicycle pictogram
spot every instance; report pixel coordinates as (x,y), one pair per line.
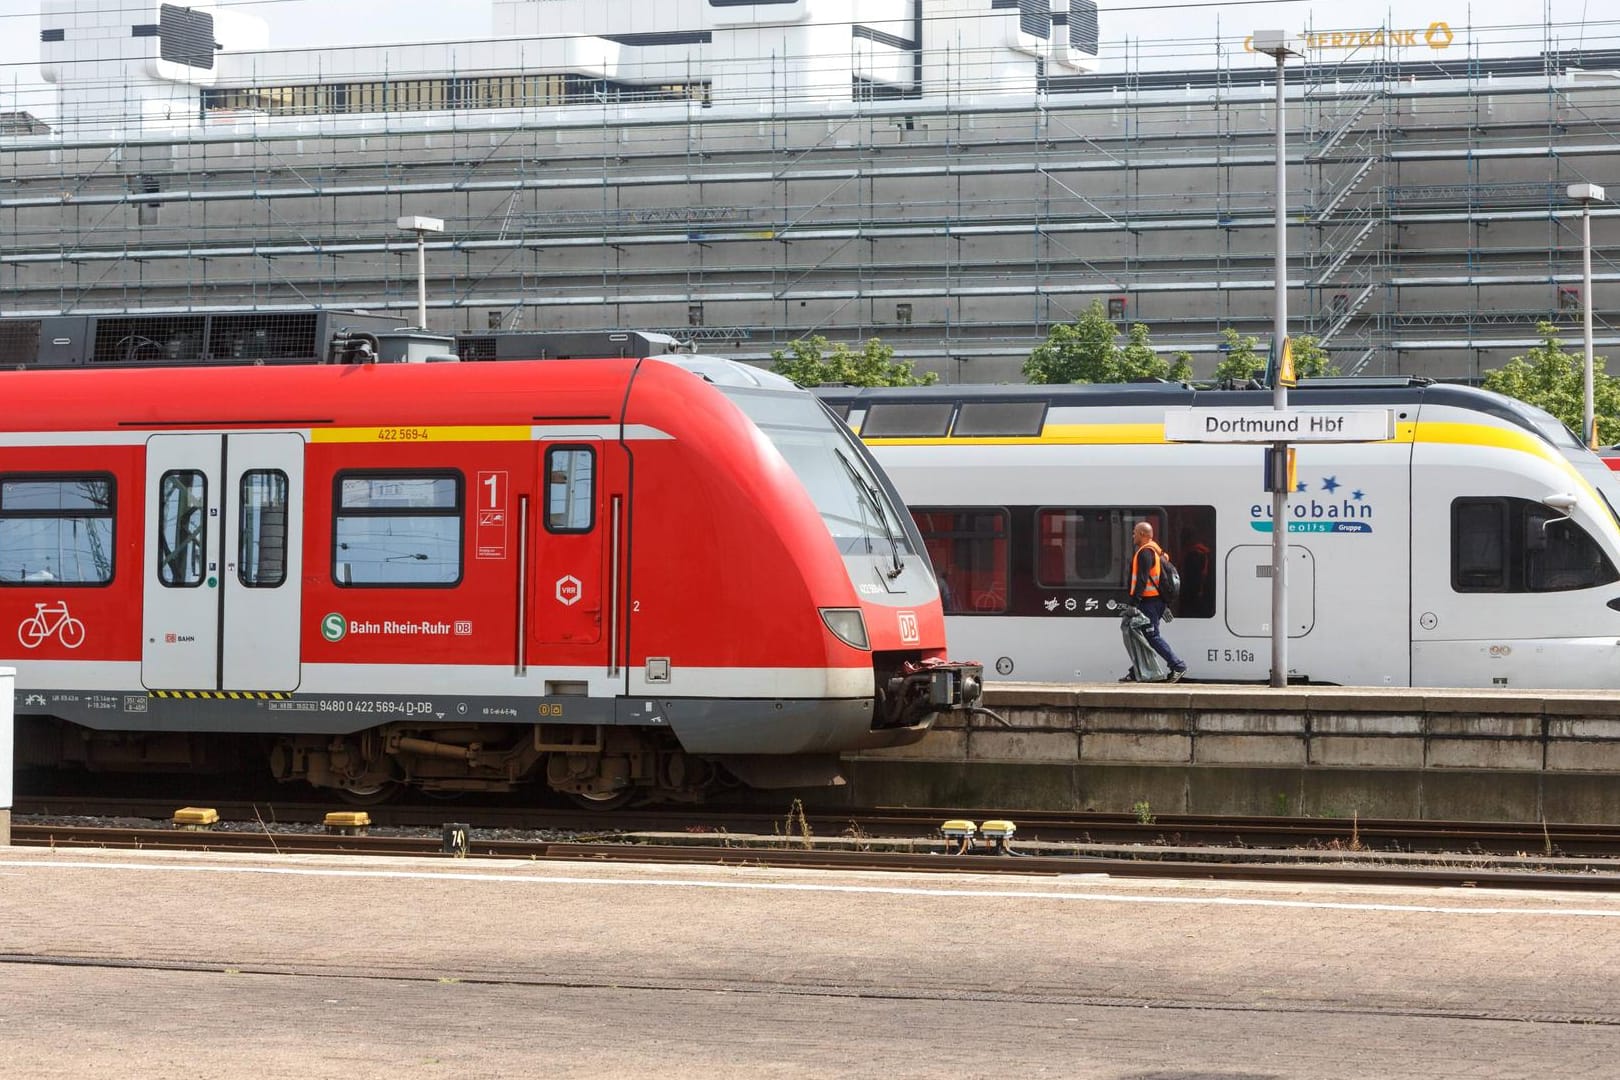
(50,620)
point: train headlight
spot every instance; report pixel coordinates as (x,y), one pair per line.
(847,625)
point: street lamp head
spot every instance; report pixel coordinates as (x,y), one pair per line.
(1278,43)
(1586,192)
(419,224)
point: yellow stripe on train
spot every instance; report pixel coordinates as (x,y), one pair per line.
(406,433)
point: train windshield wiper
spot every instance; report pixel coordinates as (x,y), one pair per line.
(869,495)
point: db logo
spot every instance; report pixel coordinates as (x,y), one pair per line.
(569,590)
(334,627)
(908,627)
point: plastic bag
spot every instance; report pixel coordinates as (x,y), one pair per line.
(1146,662)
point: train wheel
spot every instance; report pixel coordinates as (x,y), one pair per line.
(371,795)
(601,800)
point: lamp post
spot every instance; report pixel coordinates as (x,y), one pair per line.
(1586,195)
(421,226)
(1280,45)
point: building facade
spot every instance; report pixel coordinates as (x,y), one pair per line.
(952,176)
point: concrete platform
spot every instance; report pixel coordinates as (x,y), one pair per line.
(121,964)
(1325,751)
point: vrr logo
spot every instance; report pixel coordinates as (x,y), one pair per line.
(908,627)
(569,590)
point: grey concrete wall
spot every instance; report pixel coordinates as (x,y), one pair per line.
(1523,756)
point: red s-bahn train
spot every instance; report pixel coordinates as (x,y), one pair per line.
(617,577)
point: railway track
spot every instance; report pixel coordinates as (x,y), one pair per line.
(1331,835)
(783,854)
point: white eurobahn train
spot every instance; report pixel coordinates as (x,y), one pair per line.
(1478,547)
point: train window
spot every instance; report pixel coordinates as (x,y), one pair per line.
(1518,545)
(398,529)
(261,557)
(1479,545)
(1005,418)
(885,420)
(835,472)
(1088,549)
(570,489)
(969,550)
(56,530)
(182,528)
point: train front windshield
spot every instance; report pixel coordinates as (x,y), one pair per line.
(821,452)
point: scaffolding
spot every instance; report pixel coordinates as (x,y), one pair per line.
(1432,235)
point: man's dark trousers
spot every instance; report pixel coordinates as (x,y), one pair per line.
(1153,608)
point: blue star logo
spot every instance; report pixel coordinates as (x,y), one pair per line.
(1300,486)
(1358,495)
(1331,484)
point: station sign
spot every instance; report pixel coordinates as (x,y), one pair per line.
(1279,425)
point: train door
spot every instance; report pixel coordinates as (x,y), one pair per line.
(222,576)
(1248,591)
(572,524)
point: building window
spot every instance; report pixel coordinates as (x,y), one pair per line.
(1569,298)
(902,314)
(56,530)
(570,489)
(1516,545)
(182,528)
(397,529)
(261,557)
(968,548)
(694,314)
(1116,308)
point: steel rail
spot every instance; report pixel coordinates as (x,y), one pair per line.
(783,855)
(1507,838)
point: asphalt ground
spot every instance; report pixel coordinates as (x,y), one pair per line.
(182,965)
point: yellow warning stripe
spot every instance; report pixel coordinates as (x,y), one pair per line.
(407,433)
(220,695)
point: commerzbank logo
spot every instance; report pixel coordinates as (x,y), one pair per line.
(334,627)
(1326,506)
(1437,35)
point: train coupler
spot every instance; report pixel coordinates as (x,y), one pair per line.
(919,689)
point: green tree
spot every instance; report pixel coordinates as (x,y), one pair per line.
(1311,361)
(1555,380)
(1081,351)
(1088,351)
(814,361)
(1244,361)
